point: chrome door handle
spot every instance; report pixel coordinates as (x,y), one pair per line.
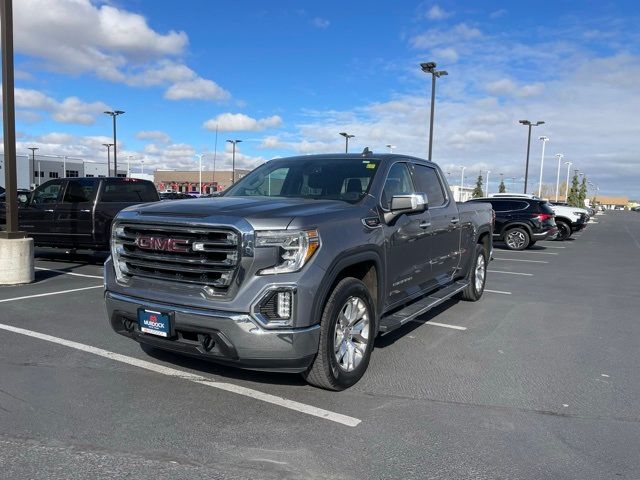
(49,211)
(85,211)
(425,224)
(455,220)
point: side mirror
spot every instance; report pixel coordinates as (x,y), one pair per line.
(412,203)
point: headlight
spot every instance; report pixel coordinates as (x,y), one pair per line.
(577,213)
(296,247)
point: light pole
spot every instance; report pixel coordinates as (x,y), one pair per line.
(64,166)
(526,168)
(513,183)
(430,67)
(200,155)
(114,114)
(142,166)
(462,181)
(39,177)
(390,147)
(544,141)
(559,156)
(33,163)
(233,159)
(346,140)
(108,145)
(487,189)
(129,165)
(566,193)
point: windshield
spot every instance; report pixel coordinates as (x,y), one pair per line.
(314,178)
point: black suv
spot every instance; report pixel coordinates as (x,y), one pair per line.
(521,222)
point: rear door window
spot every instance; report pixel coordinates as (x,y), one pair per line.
(501,205)
(128,191)
(79,191)
(427,181)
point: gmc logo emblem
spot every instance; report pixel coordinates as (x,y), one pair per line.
(162,244)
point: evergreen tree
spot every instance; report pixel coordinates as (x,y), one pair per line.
(502,188)
(477,192)
(573,191)
(582,193)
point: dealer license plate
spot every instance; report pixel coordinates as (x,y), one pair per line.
(155,323)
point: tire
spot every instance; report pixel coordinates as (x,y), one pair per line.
(531,243)
(339,367)
(564,230)
(517,238)
(477,276)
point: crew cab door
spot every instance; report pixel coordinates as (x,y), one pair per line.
(406,240)
(36,217)
(445,229)
(73,216)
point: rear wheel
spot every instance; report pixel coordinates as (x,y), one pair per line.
(477,276)
(564,230)
(347,333)
(517,238)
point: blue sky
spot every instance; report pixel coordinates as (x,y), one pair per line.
(286,77)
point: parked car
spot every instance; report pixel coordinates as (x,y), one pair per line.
(21,193)
(174,196)
(299,265)
(77,212)
(521,221)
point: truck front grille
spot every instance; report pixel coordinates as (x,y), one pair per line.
(177,253)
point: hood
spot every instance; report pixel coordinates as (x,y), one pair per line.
(260,212)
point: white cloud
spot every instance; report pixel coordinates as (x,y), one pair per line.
(498,13)
(116,45)
(434,37)
(506,86)
(239,122)
(437,13)
(320,22)
(447,54)
(155,135)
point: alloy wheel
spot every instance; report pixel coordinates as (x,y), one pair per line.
(480,273)
(516,239)
(352,332)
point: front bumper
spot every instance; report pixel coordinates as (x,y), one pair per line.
(225,337)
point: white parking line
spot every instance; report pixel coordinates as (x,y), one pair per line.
(511,273)
(553,246)
(445,325)
(172,372)
(520,260)
(530,251)
(68,273)
(47,294)
(497,291)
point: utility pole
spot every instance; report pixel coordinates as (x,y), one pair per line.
(346,140)
(526,169)
(430,67)
(114,114)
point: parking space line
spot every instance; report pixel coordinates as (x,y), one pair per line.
(14,299)
(497,291)
(553,246)
(530,251)
(172,372)
(68,273)
(520,260)
(445,325)
(511,273)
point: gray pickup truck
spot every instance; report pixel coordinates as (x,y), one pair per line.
(299,265)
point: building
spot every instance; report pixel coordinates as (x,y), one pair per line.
(461,194)
(612,203)
(187,180)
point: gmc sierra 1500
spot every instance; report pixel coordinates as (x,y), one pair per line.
(299,265)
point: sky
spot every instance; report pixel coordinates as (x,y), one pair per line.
(286,77)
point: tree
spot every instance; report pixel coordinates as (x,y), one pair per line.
(582,193)
(477,191)
(502,188)
(572,199)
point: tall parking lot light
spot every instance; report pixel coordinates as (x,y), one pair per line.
(559,156)
(462,169)
(566,193)
(390,147)
(200,155)
(526,168)
(346,140)
(108,145)
(33,163)
(114,114)
(430,67)
(233,160)
(544,140)
(487,189)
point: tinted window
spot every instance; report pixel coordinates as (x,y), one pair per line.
(427,181)
(398,183)
(501,205)
(130,191)
(519,205)
(47,193)
(78,191)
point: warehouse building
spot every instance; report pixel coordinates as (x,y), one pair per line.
(187,180)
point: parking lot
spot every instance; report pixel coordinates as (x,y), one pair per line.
(537,380)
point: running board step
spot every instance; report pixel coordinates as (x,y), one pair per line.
(410,312)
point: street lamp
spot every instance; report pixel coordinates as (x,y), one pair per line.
(346,140)
(566,193)
(233,161)
(200,155)
(430,67)
(544,141)
(462,181)
(108,145)
(33,163)
(559,156)
(129,157)
(142,166)
(487,189)
(526,169)
(114,114)
(390,147)
(513,183)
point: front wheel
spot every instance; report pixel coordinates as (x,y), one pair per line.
(477,276)
(564,230)
(347,333)
(517,239)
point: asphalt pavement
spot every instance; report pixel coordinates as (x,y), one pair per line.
(537,380)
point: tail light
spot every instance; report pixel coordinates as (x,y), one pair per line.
(542,216)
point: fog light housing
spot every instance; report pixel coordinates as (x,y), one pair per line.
(276,308)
